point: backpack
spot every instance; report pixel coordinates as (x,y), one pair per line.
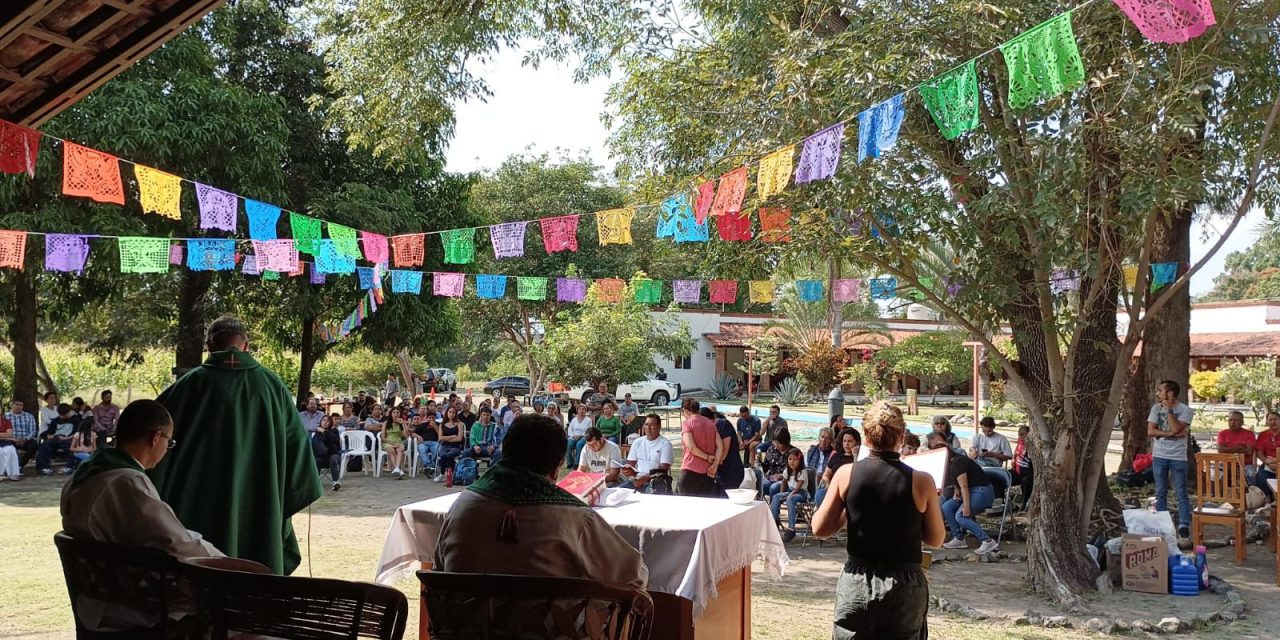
(465,471)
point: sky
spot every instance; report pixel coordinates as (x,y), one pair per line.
(544,110)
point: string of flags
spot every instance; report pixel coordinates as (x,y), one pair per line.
(1043,62)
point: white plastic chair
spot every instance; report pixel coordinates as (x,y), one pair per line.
(357,443)
(410,453)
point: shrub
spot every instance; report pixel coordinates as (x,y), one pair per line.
(821,366)
(721,387)
(791,394)
(1206,385)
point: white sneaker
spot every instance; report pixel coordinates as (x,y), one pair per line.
(987,547)
(438,478)
(955,543)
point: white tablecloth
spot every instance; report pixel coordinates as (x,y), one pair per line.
(689,544)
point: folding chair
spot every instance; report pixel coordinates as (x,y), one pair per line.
(1001,478)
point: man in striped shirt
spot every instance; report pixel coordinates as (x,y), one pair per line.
(25,432)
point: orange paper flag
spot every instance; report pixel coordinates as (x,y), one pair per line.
(91,174)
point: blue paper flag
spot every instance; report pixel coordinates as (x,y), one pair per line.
(491,287)
(878,127)
(211,254)
(366,277)
(1163,273)
(884,288)
(671,210)
(406,281)
(263,219)
(330,260)
(809,290)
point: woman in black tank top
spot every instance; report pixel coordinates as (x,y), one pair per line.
(891,510)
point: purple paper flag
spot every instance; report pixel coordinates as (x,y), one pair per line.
(317,276)
(1064,280)
(571,289)
(954,286)
(250,266)
(821,155)
(217,208)
(446,284)
(845,291)
(63,252)
(175,254)
(687,291)
(507,239)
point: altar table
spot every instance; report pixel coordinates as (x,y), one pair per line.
(699,552)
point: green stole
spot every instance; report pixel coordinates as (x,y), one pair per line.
(519,487)
(105,459)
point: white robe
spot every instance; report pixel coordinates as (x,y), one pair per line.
(553,541)
(9,462)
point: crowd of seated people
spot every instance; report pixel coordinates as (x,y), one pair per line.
(54,432)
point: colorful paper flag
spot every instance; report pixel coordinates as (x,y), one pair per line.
(1064,280)
(528,288)
(375,247)
(13,249)
(614,226)
(317,275)
(306,233)
(760,291)
(159,192)
(687,291)
(560,233)
(845,291)
(330,260)
(952,100)
(775,225)
(1169,21)
(211,254)
(1043,62)
(809,290)
(672,209)
(1130,276)
(366,276)
(250,266)
(507,239)
(217,208)
(62,252)
(263,219)
(609,289)
(884,288)
(649,291)
(491,287)
(1163,274)
(954,286)
(571,289)
(19,149)
(448,285)
(820,155)
(878,127)
(409,249)
(276,255)
(723,291)
(406,281)
(91,174)
(176,254)
(459,246)
(734,227)
(344,239)
(730,193)
(774,173)
(142,255)
(702,204)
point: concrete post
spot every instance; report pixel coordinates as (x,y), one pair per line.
(835,404)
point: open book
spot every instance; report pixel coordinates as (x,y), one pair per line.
(932,462)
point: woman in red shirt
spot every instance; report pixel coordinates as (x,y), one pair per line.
(702,447)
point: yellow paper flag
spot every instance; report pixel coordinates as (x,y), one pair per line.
(615,226)
(761,291)
(775,171)
(159,192)
(1130,276)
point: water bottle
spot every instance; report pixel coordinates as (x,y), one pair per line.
(1185,579)
(1202,565)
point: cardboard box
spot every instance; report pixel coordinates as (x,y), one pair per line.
(1113,568)
(1144,564)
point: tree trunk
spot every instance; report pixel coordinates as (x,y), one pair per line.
(42,375)
(308,363)
(1133,418)
(22,336)
(1166,343)
(835,317)
(192,304)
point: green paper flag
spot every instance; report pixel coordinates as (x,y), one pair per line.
(344,240)
(144,255)
(952,100)
(531,288)
(649,292)
(306,233)
(270,275)
(459,246)
(1043,62)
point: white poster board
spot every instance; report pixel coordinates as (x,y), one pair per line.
(932,462)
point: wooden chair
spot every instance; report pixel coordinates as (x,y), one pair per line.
(231,602)
(469,606)
(114,578)
(1220,480)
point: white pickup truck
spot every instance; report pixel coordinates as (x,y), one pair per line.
(652,391)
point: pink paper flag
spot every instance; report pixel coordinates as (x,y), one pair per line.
(448,285)
(375,247)
(560,234)
(1169,21)
(844,291)
(724,291)
(175,254)
(276,255)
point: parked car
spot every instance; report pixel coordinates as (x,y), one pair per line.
(515,385)
(651,391)
(445,379)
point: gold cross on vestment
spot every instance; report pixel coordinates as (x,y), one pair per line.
(231,361)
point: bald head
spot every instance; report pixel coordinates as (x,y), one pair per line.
(227,332)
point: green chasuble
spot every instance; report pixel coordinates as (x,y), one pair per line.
(242,465)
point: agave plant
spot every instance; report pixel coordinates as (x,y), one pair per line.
(791,393)
(721,387)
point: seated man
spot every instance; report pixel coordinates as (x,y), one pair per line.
(989,448)
(1236,439)
(111,499)
(57,439)
(515,520)
(485,438)
(649,460)
(600,456)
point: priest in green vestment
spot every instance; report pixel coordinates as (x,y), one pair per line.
(242,465)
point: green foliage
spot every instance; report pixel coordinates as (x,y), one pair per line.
(1207,385)
(791,394)
(610,342)
(1254,383)
(868,374)
(999,394)
(721,387)
(507,363)
(359,368)
(937,358)
(768,359)
(282,363)
(1253,273)
(819,367)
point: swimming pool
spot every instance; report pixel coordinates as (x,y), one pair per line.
(808,424)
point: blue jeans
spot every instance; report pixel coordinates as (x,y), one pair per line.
(572,451)
(820,496)
(48,449)
(427,452)
(980,499)
(772,489)
(1260,481)
(1162,468)
(77,458)
(775,504)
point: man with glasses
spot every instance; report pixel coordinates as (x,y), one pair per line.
(236,420)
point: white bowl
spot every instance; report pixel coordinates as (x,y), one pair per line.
(741,496)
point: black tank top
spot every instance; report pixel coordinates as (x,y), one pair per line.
(885,528)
